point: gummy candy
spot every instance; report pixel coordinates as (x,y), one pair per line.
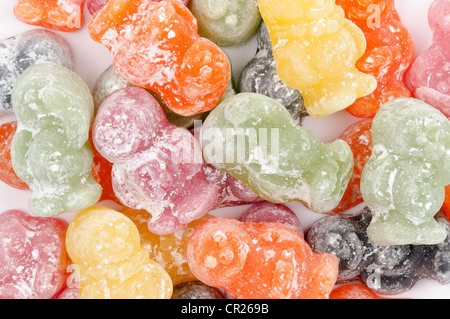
(33,258)
(105,245)
(157,166)
(404,180)
(169,251)
(226,253)
(429,75)
(354,291)
(63,15)
(259,75)
(231,191)
(189,72)
(267,212)
(50,150)
(253,138)
(94,5)
(384,269)
(7,174)
(196,290)
(316,49)
(69,293)
(226,23)
(446,206)
(358,136)
(23,50)
(389,53)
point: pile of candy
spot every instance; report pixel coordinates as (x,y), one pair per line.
(169,136)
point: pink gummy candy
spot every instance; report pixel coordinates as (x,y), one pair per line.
(267,212)
(157,166)
(33,256)
(429,76)
(231,191)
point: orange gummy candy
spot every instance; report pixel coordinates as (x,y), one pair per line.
(358,136)
(169,251)
(112,264)
(62,15)
(389,53)
(354,291)
(155,45)
(259,260)
(446,206)
(7,174)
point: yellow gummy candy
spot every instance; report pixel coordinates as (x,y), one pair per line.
(316,49)
(105,245)
(169,251)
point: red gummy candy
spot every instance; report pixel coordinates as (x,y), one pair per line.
(358,136)
(446,206)
(389,53)
(354,291)
(7,174)
(62,15)
(259,260)
(155,45)
(34,258)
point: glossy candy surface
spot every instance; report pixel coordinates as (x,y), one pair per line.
(7,174)
(253,138)
(169,251)
(157,166)
(63,15)
(226,253)
(226,23)
(259,75)
(316,49)
(196,290)
(19,52)
(50,150)
(404,180)
(189,72)
(33,258)
(384,269)
(358,136)
(389,52)
(105,245)
(429,76)
(354,291)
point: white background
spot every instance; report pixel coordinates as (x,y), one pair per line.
(91,59)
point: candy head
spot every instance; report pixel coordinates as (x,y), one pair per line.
(439,16)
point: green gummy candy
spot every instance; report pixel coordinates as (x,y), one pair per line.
(50,150)
(404,180)
(226,22)
(253,138)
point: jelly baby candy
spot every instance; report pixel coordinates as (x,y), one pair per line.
(50,150)
(23,50)
(226,253)
(69,293)
(189,72)
(7,174)
(259,75)
(226,23)
(196,290)
(267,212)
(105,245)
(253,138)
(63,15)
(429,76)
(358,136)
(231,191)
(169,251)
(156,165)
(94,5)
(316,49)
(354,291)
(33,258)
(384,269)
(404,180)
(389,53)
